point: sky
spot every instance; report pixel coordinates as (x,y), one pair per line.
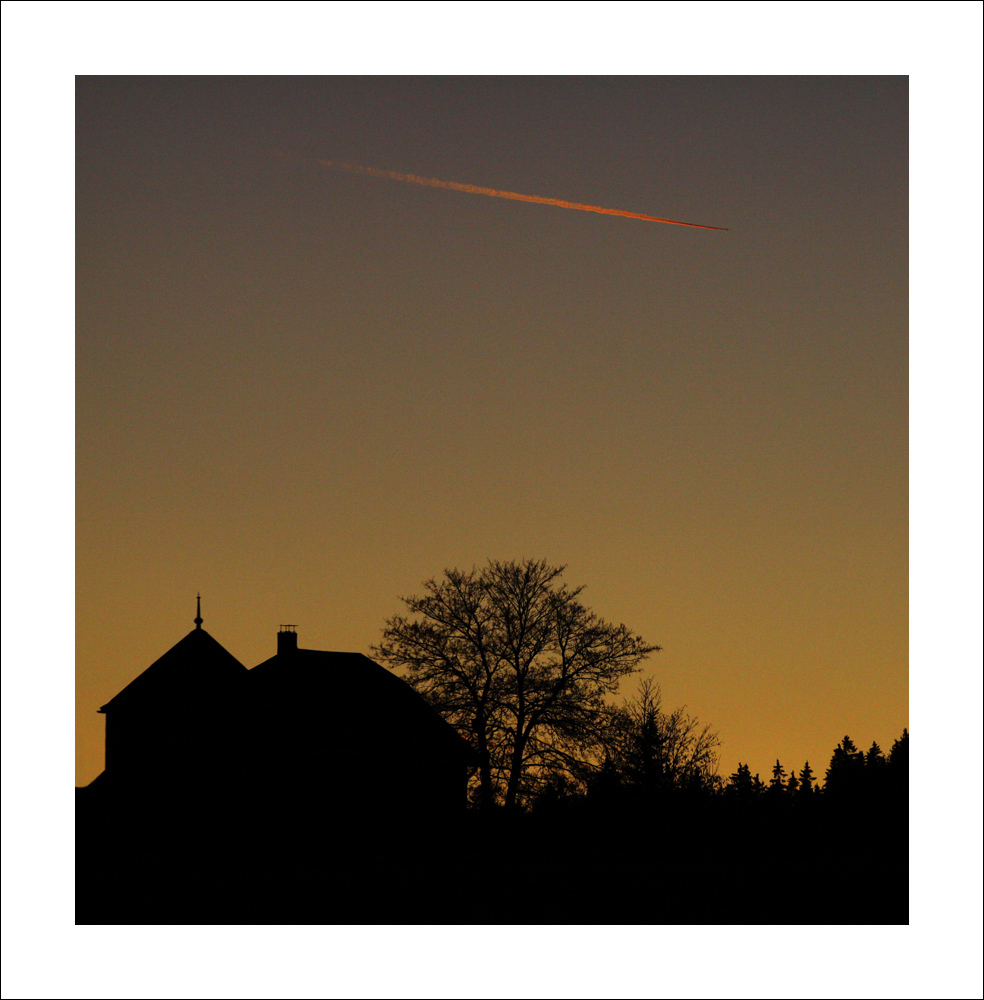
(303,391)
(217,289)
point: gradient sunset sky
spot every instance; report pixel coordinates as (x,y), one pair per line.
(303,391)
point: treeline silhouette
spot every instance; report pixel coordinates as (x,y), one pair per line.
(869,780)
(646,779)
(487,776)
(632,845)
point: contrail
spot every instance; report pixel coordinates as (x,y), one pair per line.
(392,175)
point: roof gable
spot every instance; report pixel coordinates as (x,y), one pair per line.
(196,669)
(351,691)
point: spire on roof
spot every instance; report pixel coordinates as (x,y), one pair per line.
(198,617)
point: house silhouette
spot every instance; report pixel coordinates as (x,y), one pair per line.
(307,733)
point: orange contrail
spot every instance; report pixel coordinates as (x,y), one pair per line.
(492,193)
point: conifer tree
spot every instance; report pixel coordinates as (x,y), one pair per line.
(874,759)
(777,784)
(898,756)
(806,780)
(846,771)
(898,766)
(740,783)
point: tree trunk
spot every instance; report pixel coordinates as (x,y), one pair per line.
(515,773)
(486,791)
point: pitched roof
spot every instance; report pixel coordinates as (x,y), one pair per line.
(196,669)
(353,692)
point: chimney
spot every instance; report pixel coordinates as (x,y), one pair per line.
(287,640)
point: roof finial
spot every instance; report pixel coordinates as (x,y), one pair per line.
(198,618)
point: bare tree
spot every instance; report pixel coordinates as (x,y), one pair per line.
(510,654)
(653,750)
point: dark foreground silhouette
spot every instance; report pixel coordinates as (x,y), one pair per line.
(703,862)
(319,788)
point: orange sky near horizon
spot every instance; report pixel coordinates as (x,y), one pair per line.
(302,392)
